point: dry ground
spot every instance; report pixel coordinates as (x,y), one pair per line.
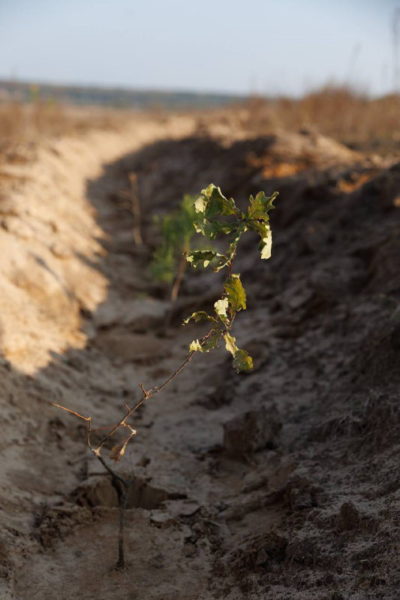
(282,484)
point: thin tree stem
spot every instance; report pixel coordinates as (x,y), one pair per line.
(123,500)
(179,277)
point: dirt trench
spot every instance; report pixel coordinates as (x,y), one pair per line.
(281,484)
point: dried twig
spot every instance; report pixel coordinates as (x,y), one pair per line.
(136,209)
(121,485)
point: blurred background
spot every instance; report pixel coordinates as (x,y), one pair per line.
(309,59)
(267,47)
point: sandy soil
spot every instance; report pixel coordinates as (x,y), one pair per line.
(282,484)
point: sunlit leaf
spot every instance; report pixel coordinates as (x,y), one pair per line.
(266,244)
(235,293)
(200,204)
(230,255)
(260,206)
(242,361)
(195,346)
(215,212)
(221,307)
(230,343)
(214,202)
(258,220)
(211,229)
(203,258)
(212,340)
(198,316)
(209,342)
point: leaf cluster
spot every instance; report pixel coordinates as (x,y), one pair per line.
(217,216)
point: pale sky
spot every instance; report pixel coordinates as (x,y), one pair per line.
(242,46)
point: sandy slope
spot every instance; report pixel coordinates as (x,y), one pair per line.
(51,242)
(308,507)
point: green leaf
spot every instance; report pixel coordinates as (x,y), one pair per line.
(177,229)
(212,228)
(198,316)
(213,203)
(210,342)
(242,361)
(163,266)
(235,293)
(264,231)
(215,213)
(203,258)
(260,206)
(225,260)
(258,220)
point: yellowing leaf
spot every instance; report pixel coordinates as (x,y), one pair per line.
(200,315)
(216,203)
(242,361)
(258,220)
(235,293)
(195,346)
(221,307)
(200,204)
(260,206)
(211,341)
(230,343)
(266,245)
(203,258)
(207,343)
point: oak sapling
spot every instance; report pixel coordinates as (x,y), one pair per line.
(218,216)
(213,215)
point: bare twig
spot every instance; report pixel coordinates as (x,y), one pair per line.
(146,395)
(73,412)
(136,210)
(120,484)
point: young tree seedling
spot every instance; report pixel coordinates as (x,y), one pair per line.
(215,216)
(218,216)
(169,259)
